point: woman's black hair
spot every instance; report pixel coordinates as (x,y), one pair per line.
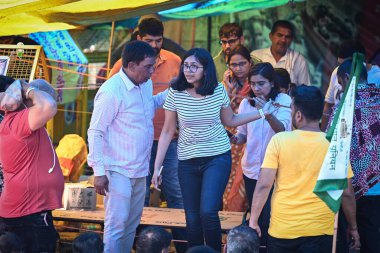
(240,50)
(209,80)
(265,70)
(282,78)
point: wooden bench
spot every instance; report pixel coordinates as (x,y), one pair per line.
(152,216)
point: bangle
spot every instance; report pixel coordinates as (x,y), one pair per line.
(326,114)
(28,91)
(269,117)
(261,112)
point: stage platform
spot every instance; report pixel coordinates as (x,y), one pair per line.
(152,216)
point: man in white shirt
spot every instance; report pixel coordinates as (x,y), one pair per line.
(334,91)
(281,56)
(120,138)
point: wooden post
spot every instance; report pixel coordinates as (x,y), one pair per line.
(335,232)
(110,48)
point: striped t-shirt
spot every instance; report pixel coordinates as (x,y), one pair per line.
(201,132)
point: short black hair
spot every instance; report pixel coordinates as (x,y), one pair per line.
(89,242)
(153,240)
(282,78)
(243,239)
(284,24)
(345,68)
(266,70)
(240,50)
(136,51)
(151,26)
(230,29)
(201,249)
(349,47)
(5,82)
(309,101)
(209,81)
(10,242)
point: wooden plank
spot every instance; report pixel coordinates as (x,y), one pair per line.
(165,217)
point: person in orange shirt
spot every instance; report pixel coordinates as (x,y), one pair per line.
(151,30)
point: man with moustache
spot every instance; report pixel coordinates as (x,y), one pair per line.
(300,220)
(167,65)
(230,35)
(281,56)
(120,138)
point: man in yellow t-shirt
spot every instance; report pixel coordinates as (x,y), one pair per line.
(300,221)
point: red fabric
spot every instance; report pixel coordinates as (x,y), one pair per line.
(27,157)
(234,198)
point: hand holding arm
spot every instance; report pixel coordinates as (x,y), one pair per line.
(230,119)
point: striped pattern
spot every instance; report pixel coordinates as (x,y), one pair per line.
(201,132)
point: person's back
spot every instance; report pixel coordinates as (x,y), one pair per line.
(296,210)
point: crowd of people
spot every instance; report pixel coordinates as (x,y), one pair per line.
(185,125)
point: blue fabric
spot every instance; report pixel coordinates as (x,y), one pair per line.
(170,186)
(374,190)
(203,181)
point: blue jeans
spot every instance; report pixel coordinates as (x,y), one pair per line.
(203,181)
(36,231)
(250,185)
(170,186)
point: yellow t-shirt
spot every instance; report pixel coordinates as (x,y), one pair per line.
(295,210)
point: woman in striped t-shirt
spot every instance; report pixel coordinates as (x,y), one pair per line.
(202,107)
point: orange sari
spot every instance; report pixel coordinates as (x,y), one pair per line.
(234,196)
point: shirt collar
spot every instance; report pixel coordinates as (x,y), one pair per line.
(127,82)
(161,58)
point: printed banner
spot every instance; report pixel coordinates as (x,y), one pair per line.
(59,45)
(332,179)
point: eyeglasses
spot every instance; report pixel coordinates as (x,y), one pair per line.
(230,41)
(240,65)
(259,84)
(191,68)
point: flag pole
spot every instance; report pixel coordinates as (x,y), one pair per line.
(335,236)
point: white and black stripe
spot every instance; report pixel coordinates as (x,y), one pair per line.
(201,132)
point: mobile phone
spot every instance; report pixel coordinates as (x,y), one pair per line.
(229,134)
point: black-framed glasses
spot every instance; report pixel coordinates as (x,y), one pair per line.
(230,41)
(191,68)
(236,65)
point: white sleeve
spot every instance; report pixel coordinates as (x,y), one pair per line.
(329,98)
(105,111)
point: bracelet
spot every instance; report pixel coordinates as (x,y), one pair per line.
(261,112)
(269,117)
(28,91)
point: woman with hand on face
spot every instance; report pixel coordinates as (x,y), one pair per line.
(202,107)
(236,83)
(257,134)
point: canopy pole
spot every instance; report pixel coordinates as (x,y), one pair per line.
(209,28)
(110,48)
(335,236)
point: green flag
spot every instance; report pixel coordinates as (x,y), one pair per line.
(332,179)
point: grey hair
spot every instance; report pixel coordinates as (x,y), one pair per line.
(243,239)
